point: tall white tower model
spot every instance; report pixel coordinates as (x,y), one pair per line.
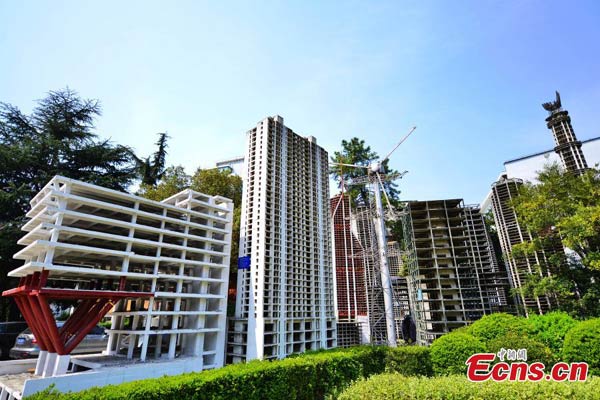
(285,287)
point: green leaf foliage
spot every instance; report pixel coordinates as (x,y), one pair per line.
(582,343)
(551,329)
(450,352)
(563,209)
(173,181)
(396,386)
(495,325)
(536,350)
(409,360)
(311,376)
(57,138)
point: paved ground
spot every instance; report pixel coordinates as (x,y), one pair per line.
(16,381)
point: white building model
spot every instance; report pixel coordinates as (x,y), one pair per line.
(162,267)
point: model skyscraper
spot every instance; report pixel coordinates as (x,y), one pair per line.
(285,288)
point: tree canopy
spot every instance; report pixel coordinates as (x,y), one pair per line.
(152,168)
(209,181)
(564,208)
(173,181)
(57,138)
(357,152)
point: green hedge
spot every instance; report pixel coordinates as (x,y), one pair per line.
(312,376)
(495,325)
(449,352)
(536,350)
(409,361)
(396,386)
(551,329)
(582,343)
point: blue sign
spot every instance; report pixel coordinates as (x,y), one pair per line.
(244,262)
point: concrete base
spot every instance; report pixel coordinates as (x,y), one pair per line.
(78,381)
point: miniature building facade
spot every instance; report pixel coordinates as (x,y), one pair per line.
(452,277)
(360,304)
(350,274)
(162,266)
(510,234)
(285,296)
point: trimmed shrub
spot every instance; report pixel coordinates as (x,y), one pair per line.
(450,352)
(551,329)
(495,325)
(313,376)
(409,361)
(395,386)
(582,343)
(536,351)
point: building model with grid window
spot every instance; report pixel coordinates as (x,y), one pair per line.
(161,266)
(285,294)
(453,278)
(569,152)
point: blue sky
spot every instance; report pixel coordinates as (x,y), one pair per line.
(470,74)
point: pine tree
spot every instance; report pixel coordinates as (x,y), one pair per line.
(57,138)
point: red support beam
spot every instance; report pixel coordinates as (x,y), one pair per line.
(79,336)
(32,299)
(23,305)
(82,309)
(50,325)
(38,319)
(80,323)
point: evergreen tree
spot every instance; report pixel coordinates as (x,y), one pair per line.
(57,138)
(173,181)
(356,152)
(151,169)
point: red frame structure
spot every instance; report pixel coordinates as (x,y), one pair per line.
(33,299)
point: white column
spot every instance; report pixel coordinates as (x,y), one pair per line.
(62,364)
(49,365)
(41,362)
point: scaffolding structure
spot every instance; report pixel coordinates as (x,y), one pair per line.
(363,226)
(452,277)
(285,297)
(350,274)
(163,266)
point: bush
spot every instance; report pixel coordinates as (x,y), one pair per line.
(409,360)
(395,386)
(495,325)
(449,352)
(536,351)
(582,343)
(551,329)
(313,376)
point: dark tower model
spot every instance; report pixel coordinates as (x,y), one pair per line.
(567,145)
